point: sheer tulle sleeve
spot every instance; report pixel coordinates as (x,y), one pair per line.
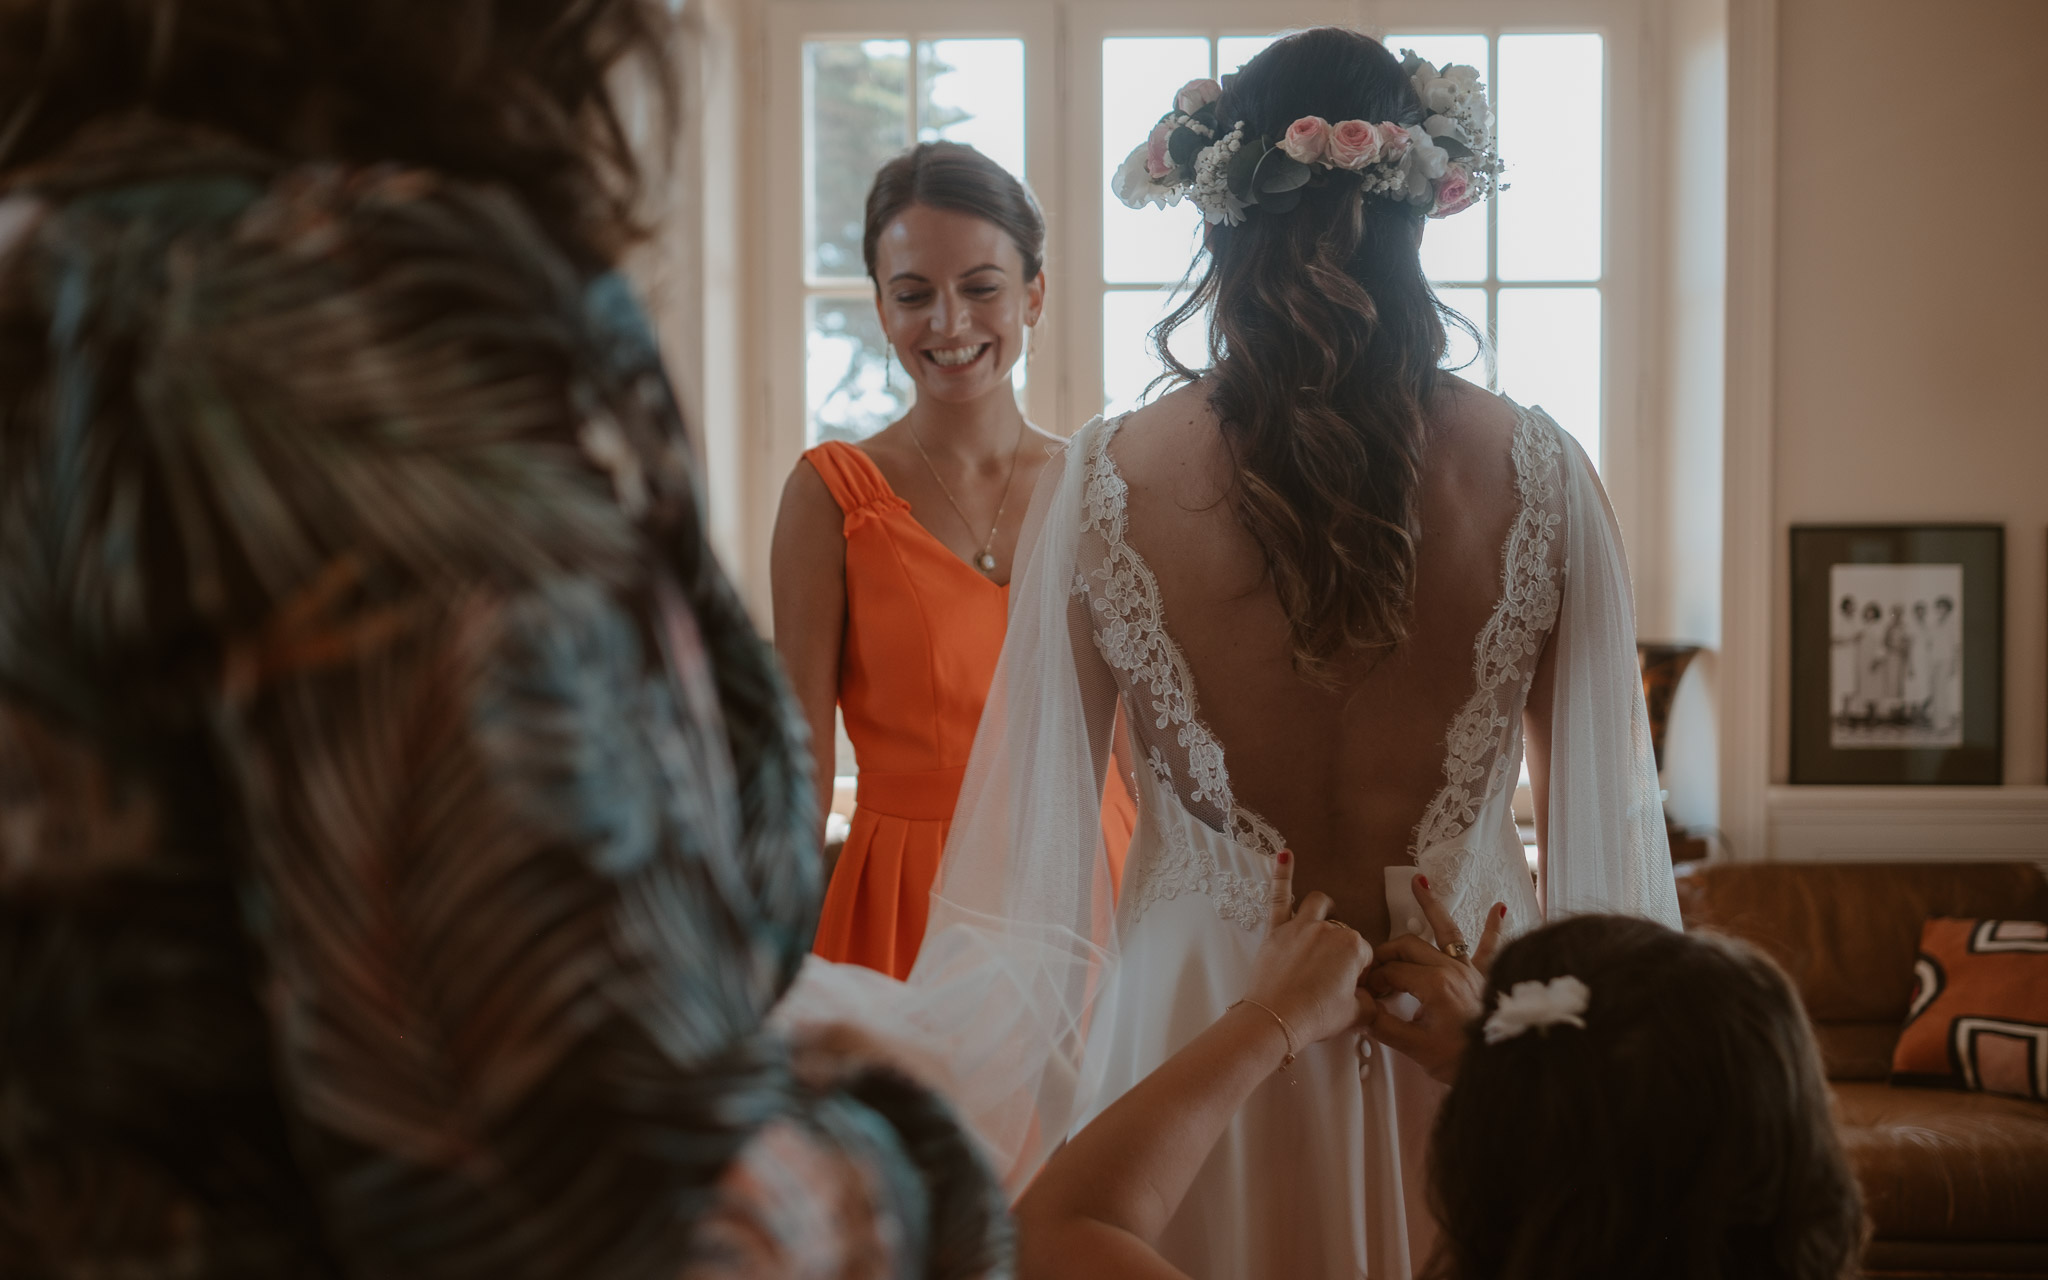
(1021,938)
(1607,849)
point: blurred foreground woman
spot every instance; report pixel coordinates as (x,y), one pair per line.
(402,830)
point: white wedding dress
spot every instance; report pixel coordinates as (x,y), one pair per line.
(1040,997)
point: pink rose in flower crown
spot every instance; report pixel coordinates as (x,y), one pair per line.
(1354,144)
(1454,191)
(1307,139)
(1393,140)
(1196,94)
(1157,162)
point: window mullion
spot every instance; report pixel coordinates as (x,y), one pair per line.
(910,77)
(1492,356)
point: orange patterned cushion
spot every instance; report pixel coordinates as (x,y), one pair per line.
(1979,1018)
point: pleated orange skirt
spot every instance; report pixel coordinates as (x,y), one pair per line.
(880,896)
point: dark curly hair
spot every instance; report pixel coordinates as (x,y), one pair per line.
(511,92)
(1685,1132)
(1324,346)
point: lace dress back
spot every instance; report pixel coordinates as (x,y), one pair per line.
(1193,906)
(1117,599)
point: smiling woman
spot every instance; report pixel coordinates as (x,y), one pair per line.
(892,558)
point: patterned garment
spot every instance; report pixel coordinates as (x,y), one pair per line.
(403,832)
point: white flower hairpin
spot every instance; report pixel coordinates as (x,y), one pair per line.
(1447,163)
(1539,1006)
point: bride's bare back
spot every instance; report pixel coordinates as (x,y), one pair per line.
(1344,776)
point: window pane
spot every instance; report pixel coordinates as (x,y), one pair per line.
(1550,356)
(1128,363)
(1454,248)
(1139,78)
(1551,138)
(972,91)
(1463,356)
(852,386)
(859,113)
(1233,52)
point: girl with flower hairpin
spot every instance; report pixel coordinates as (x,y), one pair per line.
(1627,1101)
(1336,591)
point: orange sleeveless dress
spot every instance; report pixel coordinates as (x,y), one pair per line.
(923,632)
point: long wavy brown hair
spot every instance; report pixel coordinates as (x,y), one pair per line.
(1324,346)
(514,92)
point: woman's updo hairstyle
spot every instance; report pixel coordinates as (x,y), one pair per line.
(1683,1132)
(1324,346)
(955,177)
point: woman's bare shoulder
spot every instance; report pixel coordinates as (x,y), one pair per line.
(1175,438)
(1466,416)
(1184,408)
(1471,439)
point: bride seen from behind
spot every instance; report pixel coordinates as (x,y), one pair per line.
(1366,585)
(1338,592)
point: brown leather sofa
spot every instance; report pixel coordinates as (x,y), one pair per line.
(1956,1184)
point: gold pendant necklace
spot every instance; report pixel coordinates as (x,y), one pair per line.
(985,560)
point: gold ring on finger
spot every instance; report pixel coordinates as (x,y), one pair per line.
(1457,950)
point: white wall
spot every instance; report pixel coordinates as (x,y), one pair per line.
(694,274)
(1911,273)
(1913,295)
(1676,550)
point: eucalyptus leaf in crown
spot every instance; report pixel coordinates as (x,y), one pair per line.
(1447,163)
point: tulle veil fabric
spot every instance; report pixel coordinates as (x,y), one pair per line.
(1020,954)
(1607,846)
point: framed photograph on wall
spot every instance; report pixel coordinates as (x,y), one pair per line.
(1898,654)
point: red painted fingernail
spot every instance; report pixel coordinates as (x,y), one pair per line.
(1423,881)
(1284,857)
(1501,910)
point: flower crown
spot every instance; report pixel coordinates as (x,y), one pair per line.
(1445,164)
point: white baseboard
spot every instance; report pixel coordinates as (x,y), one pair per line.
(1908,824)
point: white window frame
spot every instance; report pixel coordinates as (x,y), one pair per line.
(1066,167)
(792,24)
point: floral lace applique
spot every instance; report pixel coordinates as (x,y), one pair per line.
(1174,865)
(1129,627)
(1479,749)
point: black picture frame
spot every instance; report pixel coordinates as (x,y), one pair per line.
(1898,700)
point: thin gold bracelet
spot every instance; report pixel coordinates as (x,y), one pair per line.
(1287,1061)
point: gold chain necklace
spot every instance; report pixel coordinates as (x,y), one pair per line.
(986,560)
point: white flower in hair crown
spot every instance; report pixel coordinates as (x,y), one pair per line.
(1445,164)
(1538,1006)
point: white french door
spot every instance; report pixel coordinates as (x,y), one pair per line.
(1060,90)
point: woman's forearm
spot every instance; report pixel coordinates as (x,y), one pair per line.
(1116,1184)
